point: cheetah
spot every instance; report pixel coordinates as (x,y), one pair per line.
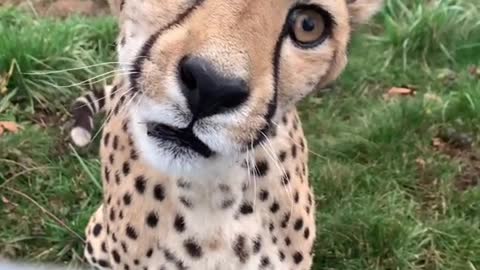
(203,156)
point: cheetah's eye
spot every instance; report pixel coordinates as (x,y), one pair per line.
(309,27)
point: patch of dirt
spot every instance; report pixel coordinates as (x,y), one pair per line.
(61,8)
(459,146)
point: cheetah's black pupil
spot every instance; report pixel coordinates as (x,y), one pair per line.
(308,24)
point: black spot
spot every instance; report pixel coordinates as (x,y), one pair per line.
(115,142)
(274,239)
(227,203)
(302,145)
(306,233)
(104,247)
(298,224)
(112,214)
(281,255)
(125,126)
(274,208)
(116,256)
(149,253)
(285,220)
(310,201)
(114,237)
(120,215)
(192,248)
(152,219)
(260,169)
(133,154)
(257,244)
(271,227)
(224,188)
(103,263)
(263,195)
(286,178)
(140,184)
(116,109)
(124,246)
(179,223)
(97,229)
(126,267)
(185,202)
(159,192)
(111,159)
(282,156)
(123,40)
(246,208)
(297,257)
(136,262)
(285,119)
(107,174)
(288,241)
(89,248)
(117,178)
(307,209)
(106,139)
(240,248)
(183,184)
(127,198)
(294,151)
(131,233)
(264,262)
(296,196)
(126,168)
(122,4)
(169,255)
(94,260)
(109,199)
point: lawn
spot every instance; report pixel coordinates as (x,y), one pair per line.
(397,178)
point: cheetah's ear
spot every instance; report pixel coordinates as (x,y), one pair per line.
(362,10)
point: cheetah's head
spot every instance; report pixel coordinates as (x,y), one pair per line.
(211,77)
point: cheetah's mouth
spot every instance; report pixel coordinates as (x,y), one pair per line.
(182,137)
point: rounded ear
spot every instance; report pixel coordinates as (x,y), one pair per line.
(362,10)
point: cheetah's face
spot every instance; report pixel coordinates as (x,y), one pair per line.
(212,76)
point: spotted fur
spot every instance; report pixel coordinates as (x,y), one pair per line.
(204,160)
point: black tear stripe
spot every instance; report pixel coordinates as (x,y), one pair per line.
(272,105)
(145,51)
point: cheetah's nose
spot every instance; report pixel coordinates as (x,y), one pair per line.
(207,91)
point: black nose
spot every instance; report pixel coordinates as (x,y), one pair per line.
(207,91)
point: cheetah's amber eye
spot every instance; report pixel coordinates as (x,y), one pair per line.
(308,27)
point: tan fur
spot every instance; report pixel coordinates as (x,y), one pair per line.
(238,37)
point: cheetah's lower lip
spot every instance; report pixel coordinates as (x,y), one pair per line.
(183,137)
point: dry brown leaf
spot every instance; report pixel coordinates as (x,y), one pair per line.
(9,126)
(399,91)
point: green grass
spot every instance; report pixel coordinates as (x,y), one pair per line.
(378,207)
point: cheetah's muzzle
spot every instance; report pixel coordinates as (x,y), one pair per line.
(183,137)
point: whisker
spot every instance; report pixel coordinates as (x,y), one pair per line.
(70,69)
(110,112)
(275,161)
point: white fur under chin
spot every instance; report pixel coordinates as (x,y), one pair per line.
(80,136)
